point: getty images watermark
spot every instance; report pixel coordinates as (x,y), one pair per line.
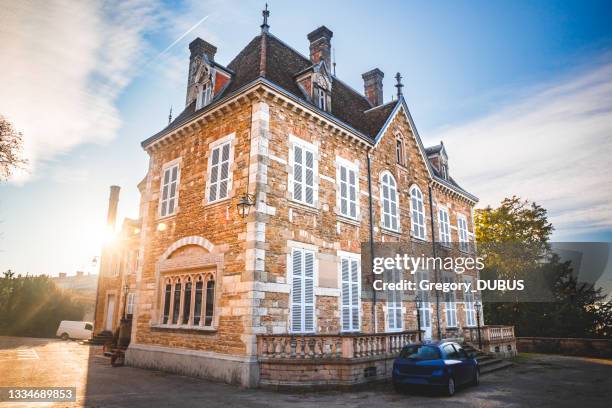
(458,265)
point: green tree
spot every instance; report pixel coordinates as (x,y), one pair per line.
(33,306)
(514,240)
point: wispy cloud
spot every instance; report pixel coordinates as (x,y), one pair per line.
(64,64)
(552,146)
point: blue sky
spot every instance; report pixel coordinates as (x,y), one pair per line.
(521,93)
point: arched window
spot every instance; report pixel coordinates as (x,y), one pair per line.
(417,212)
(189,300)
(389,202)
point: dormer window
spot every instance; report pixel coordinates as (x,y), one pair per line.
(321,98)
(204,95)
(444,171)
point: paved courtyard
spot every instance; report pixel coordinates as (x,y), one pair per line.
(535,381)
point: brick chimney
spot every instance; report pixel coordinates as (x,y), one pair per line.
(320,45)
(113,202)
(197,48)
(373,86)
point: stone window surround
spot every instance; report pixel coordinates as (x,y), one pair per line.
(357,257)
(166,165)
(351,165)
(212,262)
(217,143)
(397,203)
(291,245)
(182,277)
(314,148)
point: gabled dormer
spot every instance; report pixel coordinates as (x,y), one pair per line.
(439,160)
(316,85)
(206,78)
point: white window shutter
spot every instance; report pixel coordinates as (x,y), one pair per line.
(309,291)
(296,291)
(355,294)
(352,198)
(309,177)
(297,173)
(214,175)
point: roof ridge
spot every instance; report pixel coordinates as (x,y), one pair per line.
(306,59)
(381,106)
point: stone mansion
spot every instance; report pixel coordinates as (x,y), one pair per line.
(254,207)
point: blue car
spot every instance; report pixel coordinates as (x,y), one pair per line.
(443,364)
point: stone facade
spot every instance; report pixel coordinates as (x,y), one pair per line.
(248,258)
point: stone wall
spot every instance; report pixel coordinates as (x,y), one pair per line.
(566,346)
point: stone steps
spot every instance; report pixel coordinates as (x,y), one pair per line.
(487,362)
(101,338)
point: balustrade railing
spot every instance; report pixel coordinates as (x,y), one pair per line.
(489,333)
(300,347)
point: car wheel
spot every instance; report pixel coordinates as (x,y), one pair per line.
(65,336)
(476,379)
(450,387)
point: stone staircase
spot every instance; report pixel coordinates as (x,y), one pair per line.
(101,338)
(487,362)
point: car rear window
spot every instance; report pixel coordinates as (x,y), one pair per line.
(420,352)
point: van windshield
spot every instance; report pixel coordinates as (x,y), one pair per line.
(420,352)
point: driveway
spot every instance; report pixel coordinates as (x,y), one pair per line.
(534,381)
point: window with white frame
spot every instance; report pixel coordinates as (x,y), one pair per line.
(204,95)
(417,212)
(304,168)
(188,300)
(462,231)
(348,185)
(423,304)
(219,170)
(302,267)
(130,304)
(394,303)
(468,304)
(444,226)
(350,288)
(450,304)
(389,202)
(321,98)
(169,190)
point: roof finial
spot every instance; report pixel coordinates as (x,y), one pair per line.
(399,85)
(170,115)
(265,13)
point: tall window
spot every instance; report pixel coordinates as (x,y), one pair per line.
(188,300)
(423,304)
(167,300)
(204,95)
(348,184)
(450,305)
(444,224)
(176,307)
(169,191)
(462,232)
(197,309)
(219,178)
(130,304)
(302,291)
(417,211)
(303,177)
(210,303)
(389,202)
(470,312)
(349,270)
(321,98)
(394,303)
(399,150)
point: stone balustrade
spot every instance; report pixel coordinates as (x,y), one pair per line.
(323,346)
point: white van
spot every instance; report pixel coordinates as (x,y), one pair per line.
(69,329)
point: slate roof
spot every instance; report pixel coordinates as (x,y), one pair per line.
(282,63)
